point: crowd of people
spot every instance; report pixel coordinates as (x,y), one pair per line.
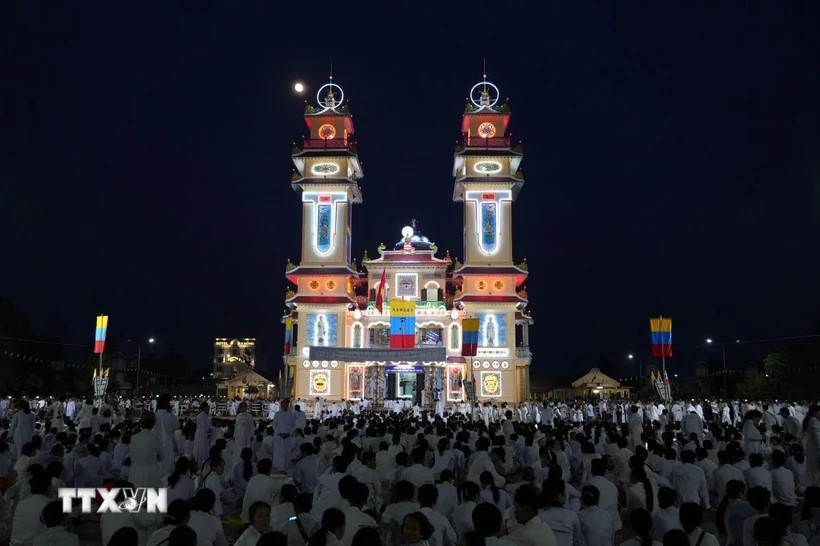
(586,473)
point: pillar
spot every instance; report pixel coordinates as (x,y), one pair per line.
(379,371)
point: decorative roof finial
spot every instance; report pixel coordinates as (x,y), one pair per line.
(413,223)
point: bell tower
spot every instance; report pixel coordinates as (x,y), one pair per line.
(488,284)
(487,179)
(326,175)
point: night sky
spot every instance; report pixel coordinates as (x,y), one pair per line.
(672,162)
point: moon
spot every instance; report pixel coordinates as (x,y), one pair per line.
(298,87)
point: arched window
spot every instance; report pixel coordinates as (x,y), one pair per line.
(379,335)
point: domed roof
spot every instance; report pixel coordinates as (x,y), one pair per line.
(416,239)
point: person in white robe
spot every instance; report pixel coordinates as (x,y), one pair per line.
(164,430)
(146,454)
(752,437)
(597,526)
(22,427)
(283,424)
(202,436)
(242,432)
(811,433)
(317,408)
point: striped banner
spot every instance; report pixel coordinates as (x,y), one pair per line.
(99,335)
(661,331)
(469,339)
(288,335)
(402,324)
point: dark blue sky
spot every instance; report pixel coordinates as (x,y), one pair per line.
(671,161)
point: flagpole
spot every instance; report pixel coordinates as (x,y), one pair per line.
(99,399)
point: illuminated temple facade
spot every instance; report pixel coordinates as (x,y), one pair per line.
(338,341)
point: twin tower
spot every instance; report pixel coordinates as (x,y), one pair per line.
(332,304)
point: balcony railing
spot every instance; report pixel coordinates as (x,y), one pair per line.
(523,352)
(327,144)
(478,142)
(421,304)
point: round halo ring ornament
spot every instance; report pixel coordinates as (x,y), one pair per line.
(475,98)
(331,87)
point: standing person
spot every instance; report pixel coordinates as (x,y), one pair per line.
(164,430)
(242,432)
(283,424)
(752,437)
(85,414)
(202,436)
(811,433)
(146,454)
(22,426)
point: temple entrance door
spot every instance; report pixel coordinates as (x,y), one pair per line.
(404,384)
(390,386)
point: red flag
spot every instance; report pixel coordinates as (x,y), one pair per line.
(380,291)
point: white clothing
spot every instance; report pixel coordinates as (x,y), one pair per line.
(146,453)
(164,429)
(57,536)
(608,499)
(260,488)
(290,529)
(26,524)
(533,533)
(597,526)
(708,538)
(443,532)
(242,434)
(249,537)
(663,520)
(690,483)
(783,489)
(565,525)
(209,531)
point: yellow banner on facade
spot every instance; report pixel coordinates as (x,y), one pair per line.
(401,308)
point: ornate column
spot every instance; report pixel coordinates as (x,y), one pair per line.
(379,399)
(428,385)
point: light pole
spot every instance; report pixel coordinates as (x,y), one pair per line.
(139,361)
(709,341)
(630,356)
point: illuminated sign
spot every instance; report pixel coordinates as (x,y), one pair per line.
(324,169)
(325,211)
(488,221)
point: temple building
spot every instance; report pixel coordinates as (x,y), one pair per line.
(232,358)
(393,327)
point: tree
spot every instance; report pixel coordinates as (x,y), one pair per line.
(790,373)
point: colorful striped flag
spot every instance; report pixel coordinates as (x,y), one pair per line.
(380,292)
(99,335)
(469,336)
(402,324)
(661,330)
(288,335)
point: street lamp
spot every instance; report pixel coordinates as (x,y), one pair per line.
(630,356)
(709,341)
(139,360)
